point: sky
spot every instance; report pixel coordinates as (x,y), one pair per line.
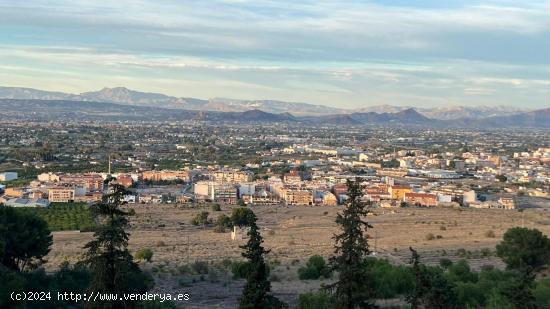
(347,54)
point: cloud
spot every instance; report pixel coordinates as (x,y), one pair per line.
(352,52)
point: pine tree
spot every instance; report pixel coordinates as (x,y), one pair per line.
(110,263)
(353,289)
(414,297)
(431,289)
(256,290)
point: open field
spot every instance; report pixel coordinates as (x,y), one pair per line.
(296,233)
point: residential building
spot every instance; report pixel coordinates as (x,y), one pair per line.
(421,199)
(61,194)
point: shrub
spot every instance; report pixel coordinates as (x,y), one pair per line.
(145,254)
(445,263)
(490,234)
(429,236)
(201,218)
(486,252)
(224,221)
(200,267)
(315,268)
(312,300)
(184,269)
(443,228)
(216,207)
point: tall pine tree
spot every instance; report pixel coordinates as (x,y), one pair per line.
(431,289)
(111,264)
(353,289)
(256,290)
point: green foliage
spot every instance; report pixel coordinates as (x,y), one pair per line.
(111,264)
(216,207)
(389,281)
(68,279)
(353,288)
(201,218)
(501,178)
(460,271)
(431,289)
(10,281)
(242,216)
(393,163)
(241,202)
(24,239)
(524,249)
(145,254)
(445,263)
(542,293)
(319,300)
(256,291)
(200,267)
(240,269)
(315,268)
(66,216)
(224,222)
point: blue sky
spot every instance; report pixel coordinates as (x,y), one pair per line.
(337,53)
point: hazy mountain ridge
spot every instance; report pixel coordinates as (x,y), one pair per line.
(121,95)
(65,110)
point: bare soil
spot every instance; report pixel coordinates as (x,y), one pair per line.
(293,234)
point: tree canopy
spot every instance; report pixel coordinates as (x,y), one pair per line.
(353,288)
(24,239)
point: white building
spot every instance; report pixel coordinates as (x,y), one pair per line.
(247,188)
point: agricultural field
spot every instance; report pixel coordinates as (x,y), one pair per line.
(66,216)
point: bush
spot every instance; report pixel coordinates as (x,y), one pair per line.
(429,236)
(200,267)
(490,234)
(315,268)
(201,218)
(224,221)
(216,207)
(311,300)
(144,254)
(445,263)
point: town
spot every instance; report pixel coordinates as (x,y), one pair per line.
(250,164)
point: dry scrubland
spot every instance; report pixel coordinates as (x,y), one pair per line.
(295,233)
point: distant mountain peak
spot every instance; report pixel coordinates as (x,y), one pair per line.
(125,96)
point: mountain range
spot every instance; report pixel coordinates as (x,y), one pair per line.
(64,110)
(124,96)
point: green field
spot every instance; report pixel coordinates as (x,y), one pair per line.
(66,216)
